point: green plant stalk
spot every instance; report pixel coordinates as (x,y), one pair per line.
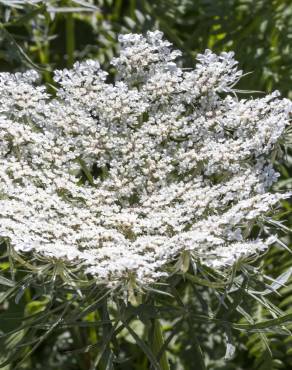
(106,328)
(44,59)
(198,354)
(70,39)
(43,47)
(157,342)
(82,358)
(133,6)
(117,10)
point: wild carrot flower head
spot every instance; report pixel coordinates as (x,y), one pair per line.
(123,178)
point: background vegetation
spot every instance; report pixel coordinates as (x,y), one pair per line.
(53,34)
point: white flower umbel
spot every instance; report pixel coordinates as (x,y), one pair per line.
(123,178)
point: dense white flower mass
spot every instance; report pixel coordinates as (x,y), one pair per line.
(123,178)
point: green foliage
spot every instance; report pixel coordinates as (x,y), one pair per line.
(54,33)
(91,330)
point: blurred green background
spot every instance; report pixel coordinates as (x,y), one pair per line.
(48,35)
(52,34)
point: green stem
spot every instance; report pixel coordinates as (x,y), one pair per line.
(117,10)
(70,39)
(133,6)
(78,340)
(44,59)
(107,328)
(157,342)
(197,351)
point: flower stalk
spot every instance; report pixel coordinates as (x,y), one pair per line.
(157,342)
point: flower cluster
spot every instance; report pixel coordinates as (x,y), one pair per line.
(125,177)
